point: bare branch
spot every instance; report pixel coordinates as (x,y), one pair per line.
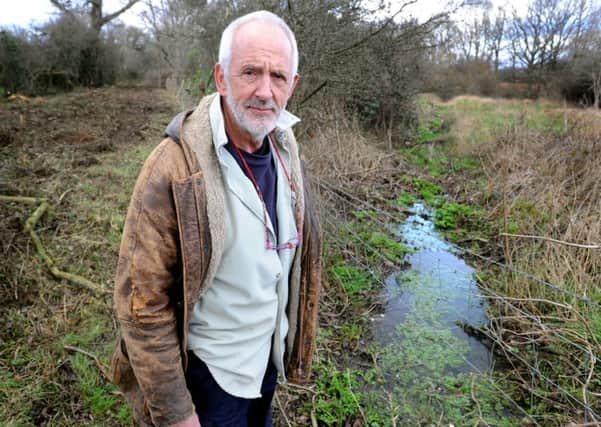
(377,31)
(110,17)
(61,6)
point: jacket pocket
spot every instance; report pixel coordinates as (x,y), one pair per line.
(121,372)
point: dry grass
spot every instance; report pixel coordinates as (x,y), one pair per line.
(550,186)
(340,152)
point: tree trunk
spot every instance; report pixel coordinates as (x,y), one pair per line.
(96,16)
(596,77)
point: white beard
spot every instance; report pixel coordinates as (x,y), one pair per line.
(257,129)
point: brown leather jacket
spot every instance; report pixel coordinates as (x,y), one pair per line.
(164,257)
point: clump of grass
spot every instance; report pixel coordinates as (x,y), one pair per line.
(450,214)
(351,278)
(427,190)
(342,153)
(405,199)
(335,400)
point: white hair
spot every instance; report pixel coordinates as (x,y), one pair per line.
(225,46)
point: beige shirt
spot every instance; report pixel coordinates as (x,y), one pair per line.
(232,324)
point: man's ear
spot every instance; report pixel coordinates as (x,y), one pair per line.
(294,82)
(220,79)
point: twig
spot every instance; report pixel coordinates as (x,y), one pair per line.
(62,196)
(549,239)
(480,419)
(350,389)
(277,401)
(101,367)
(59,274)
(299,387)
(591,424)
(29,227)
(588,381)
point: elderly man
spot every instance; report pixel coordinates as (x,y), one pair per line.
(218,278)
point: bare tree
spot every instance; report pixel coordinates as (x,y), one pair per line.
(542,36)
(93,55)
(363,56)
(93,9)
(185,36)
(585,55)
(494,32)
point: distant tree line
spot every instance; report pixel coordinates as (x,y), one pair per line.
(554,49)
(366,58)
(81,47)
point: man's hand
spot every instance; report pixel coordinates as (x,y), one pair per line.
(191,421)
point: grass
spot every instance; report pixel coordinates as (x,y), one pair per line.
(352,279)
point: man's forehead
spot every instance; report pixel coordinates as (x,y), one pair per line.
(262,32)
(259,26)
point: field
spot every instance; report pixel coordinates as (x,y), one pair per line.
(82,152)
(515,185)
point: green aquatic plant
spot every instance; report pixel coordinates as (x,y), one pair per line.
(404,199)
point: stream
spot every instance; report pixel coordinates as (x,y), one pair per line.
(429,371)
(428,302)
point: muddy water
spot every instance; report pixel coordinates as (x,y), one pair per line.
(428,302)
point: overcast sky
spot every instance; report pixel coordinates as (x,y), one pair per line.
(25,12)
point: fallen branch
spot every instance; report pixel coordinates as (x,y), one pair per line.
(21,199)
(348,380)
(101,368)
(277,401)
(591,424)
(549,239)
(29,227)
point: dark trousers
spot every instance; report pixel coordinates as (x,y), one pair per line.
(216,408)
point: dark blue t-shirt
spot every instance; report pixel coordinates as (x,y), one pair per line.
(262,165)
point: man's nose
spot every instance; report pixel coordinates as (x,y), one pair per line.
(263,90)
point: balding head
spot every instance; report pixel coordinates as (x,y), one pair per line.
(262,16)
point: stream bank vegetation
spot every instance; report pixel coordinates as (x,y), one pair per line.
(58,337)
(535,184)
(416,373)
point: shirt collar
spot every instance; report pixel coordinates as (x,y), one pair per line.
(284,122)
